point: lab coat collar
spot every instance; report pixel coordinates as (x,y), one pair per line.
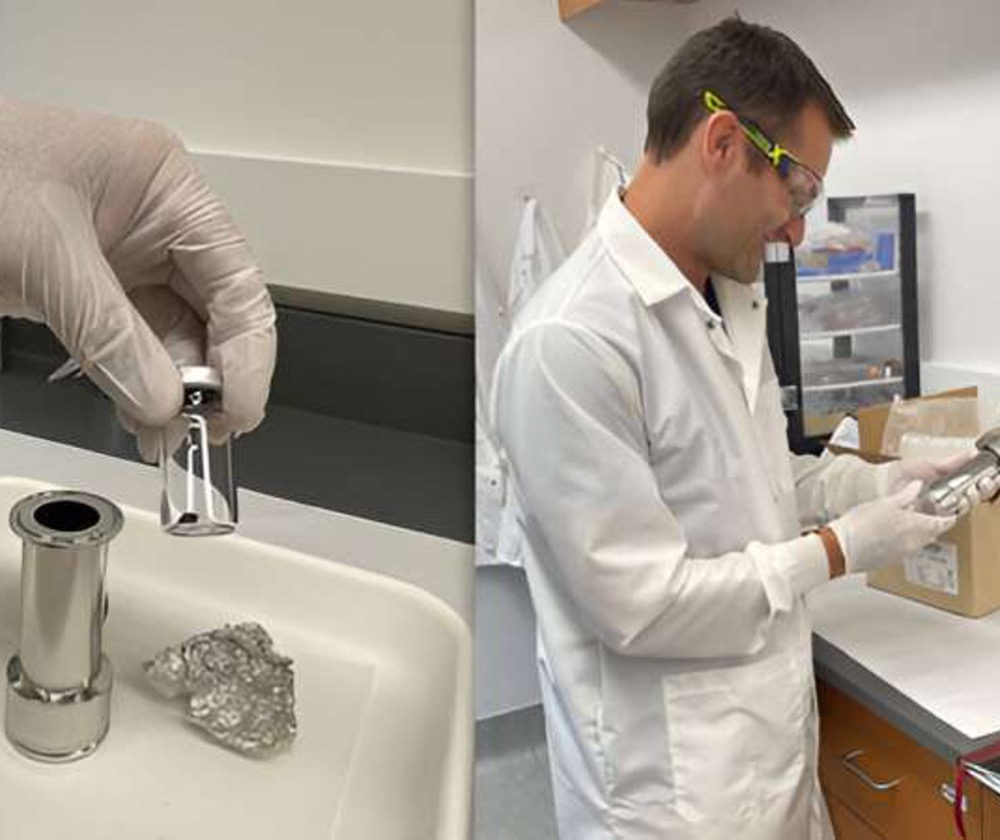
(645,265)
(656,277)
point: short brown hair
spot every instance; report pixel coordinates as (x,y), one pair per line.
(761,73)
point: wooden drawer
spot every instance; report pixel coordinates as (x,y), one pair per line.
(847,825)
(914,807)
(991,816)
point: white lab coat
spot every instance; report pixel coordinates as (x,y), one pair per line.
(537,253)
(659,510)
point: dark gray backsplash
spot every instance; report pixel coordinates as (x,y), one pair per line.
(405,378)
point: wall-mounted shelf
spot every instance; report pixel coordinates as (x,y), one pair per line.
(828,334)
(861,383)
(571,8)
(846,278)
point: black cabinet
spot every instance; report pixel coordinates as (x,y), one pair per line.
(842,313)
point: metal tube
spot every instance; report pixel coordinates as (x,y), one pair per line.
(62,597)
(59,682)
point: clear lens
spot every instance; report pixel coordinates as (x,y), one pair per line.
(804,187)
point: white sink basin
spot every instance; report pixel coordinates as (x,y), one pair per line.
(383,700)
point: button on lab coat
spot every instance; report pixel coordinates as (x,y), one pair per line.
(659,512)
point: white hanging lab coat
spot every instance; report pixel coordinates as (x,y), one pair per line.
(659,510)
(537,253)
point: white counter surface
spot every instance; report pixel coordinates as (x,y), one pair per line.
(945,663)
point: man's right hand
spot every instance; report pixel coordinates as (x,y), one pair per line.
(113,238)
(885,532)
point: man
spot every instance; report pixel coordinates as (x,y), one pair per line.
(659,508)
(109,234)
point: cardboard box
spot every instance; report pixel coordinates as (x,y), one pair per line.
(960,572)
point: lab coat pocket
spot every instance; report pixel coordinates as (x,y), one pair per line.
(736,737)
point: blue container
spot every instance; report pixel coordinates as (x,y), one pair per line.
(847,262)
(885,250)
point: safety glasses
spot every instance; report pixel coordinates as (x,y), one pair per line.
(805,186)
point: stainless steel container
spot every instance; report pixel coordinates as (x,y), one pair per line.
(59,681)
(945,496)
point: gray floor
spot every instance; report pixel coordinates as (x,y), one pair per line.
(513,798)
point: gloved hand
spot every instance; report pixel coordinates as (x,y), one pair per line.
(927,470)
(883,532)
(897,474)
(112,238)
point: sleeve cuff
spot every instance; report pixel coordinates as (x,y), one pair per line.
(790,569)
(807,563)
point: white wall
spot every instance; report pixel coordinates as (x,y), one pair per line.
(547,95)
(299,110)
(921,79)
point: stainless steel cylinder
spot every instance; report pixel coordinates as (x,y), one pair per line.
(945,496)
(59,682)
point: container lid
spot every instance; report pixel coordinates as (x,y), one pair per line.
(202,389)
(66,519)
(201,376)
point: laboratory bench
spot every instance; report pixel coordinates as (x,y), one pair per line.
(887,763)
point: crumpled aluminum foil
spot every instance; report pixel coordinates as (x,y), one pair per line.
(241,690)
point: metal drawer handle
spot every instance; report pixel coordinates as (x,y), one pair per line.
(848,762)
(948,794)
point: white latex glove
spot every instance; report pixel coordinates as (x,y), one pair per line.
(927,470)
(883,532)
(109,234)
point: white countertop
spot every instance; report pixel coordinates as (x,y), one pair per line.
(439,566)
(945,663)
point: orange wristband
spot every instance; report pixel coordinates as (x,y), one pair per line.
(834,553)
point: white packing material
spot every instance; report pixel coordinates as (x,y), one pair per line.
(847,434)
(913,445)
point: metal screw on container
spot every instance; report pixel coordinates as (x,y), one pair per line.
(199,495)
(59,681)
